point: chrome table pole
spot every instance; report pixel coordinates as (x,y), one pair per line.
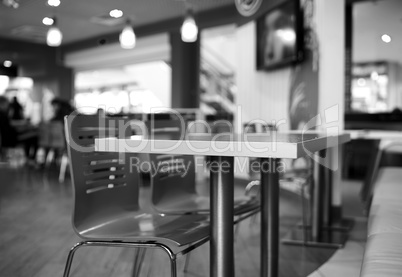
(269,217)
(222,195)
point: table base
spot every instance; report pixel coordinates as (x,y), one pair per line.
(329,238)
(343,225)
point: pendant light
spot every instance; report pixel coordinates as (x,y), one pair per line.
(127,37)
(54,35)
(189,29)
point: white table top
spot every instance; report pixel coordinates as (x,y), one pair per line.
(275,145)
(375,134)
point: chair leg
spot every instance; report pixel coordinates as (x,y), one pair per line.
(172,258)
(304,210)
(70,258)
(173,265)
(138,261)
(63,168)
(49,158)
(187,262)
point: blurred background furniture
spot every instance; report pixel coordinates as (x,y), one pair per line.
(53,146)
(383,252)
(388,153)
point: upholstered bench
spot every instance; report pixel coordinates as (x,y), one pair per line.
(383,253)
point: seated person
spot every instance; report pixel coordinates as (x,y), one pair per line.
(10,136)
(61,108)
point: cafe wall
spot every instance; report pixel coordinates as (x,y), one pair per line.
(330,25)
(266,94)
(261,94)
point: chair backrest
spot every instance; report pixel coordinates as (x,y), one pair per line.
(391,153)
(249,128)
(103,185)
(44,135)
(57,137)
(391,146)
(172,179)
(165,128)
(220,126)
(258,127)
(51,135)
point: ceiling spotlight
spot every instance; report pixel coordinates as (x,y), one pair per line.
(53,3)
(127,37)
(7,63)
(361,82)
(189,29)
(386,38)
(374,75)
(54,35)
(48,21)
(116,13)
(11,3)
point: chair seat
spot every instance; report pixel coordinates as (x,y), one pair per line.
(177,230)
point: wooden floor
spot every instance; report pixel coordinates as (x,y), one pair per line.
(36,235)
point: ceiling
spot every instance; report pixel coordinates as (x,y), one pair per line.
(372,19)
(82,19)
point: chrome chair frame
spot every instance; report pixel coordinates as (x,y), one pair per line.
(172,256)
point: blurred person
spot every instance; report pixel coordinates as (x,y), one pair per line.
(10,136)
(61,108)
(16,111)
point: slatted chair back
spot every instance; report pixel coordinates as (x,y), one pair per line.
(165,128)
(258,127)
(104,187)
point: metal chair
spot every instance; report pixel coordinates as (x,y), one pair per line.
(107,210)
(174,188)
(296,180)
(173,177)
(174,191)
(300,183)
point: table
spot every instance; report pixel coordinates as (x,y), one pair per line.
(223,148)
(375,134)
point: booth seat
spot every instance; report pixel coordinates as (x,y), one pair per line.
(383,253)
